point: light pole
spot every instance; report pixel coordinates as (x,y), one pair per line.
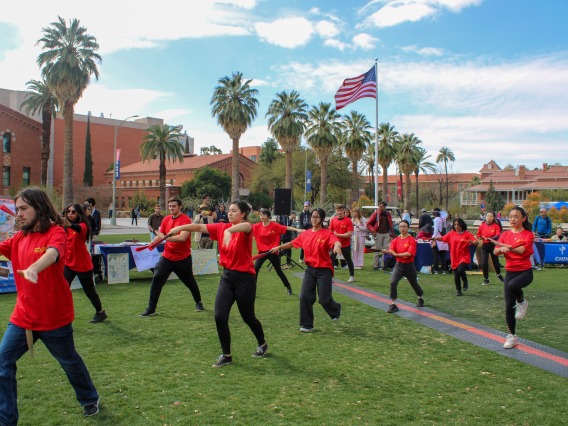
(113,218)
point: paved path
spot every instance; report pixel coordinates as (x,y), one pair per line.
(123,226)
(532,353)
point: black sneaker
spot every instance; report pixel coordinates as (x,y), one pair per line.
(459,293)
(338,312)
(500,278)
(198,307)
(260,351)
(393,308)
(289,290)
(307,329)
(485,282)
(465,286)
(222,361)
(91,409)
(148,313)
(99,317)
(420,303)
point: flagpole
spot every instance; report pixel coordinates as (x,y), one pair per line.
(377,135)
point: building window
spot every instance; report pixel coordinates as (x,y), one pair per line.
(26,176)
(6,143)
(6,176)
(253,158)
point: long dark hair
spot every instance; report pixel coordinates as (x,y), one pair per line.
(497,221)
(81,216)
(459,221)
(526,224)
(243,207)
(40,202)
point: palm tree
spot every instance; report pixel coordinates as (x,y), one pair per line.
(444,155)
(41,98)
(388,138)
(234,104)
(323,133)
(407,151)
(69,60)
(357,137)
(422,165)
(162,142)
(287,122)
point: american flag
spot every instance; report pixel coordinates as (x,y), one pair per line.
(352,89)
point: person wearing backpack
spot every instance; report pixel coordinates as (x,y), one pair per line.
(542,225)
(439,248)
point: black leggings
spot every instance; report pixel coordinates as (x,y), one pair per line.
(88,284)
(460,275)
(237,287)
(514,284)
(275,261)
(184,271)
(346,252)
(404,270)
(486,252)
(439,255)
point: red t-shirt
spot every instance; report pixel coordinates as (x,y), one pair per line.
(176,251)
(342,226)
(267,237)
(316,247)
(518,262)
(237,256)
(488,231)
(78,257)
(48,304)
(404,245)
(459,247)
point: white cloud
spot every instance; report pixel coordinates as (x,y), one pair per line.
(327,29)
(286,32)
(364,41)
(338,44)
(424,51)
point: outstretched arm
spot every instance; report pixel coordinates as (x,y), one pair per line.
(49,258)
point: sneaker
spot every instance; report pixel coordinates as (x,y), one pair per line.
(91,409)
(521,309)
(465,286)
(459,293)
(420,303)
(444,272)
(338,312)
(485,282)
(198,307)
(222,361)
(345,267)
(500,278)
(289,290)
(148,313)
(512,341)
(301,260)
(351,279)
(260,351)
(307,329)
(99,317)
(392,309)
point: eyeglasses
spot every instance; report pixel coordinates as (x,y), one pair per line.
(71,211)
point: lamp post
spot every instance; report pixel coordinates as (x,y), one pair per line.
(113,218)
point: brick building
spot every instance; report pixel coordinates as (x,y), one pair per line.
(21,150)
(144,177)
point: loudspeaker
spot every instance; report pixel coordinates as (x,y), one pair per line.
(282,201)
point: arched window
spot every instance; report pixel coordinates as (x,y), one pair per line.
(6,142)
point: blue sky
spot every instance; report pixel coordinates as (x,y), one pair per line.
(487,78)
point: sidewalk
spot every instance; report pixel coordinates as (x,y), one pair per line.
(123,226)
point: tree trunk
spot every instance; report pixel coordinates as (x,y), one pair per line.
(45,139)
(68,197)
(354,183)
(289,176)
(417,197)
(323,179)
(235,184)
(407,194)
(385,185)
(162,173)
(446,166)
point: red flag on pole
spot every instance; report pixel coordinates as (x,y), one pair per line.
(352,89)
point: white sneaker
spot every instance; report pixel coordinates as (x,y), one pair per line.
(351,279)
(512,341)
(521,309)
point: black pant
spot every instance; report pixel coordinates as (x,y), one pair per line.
(514,284)
(237,287)
(287,252)
(182,268)
(439,256)
(404,270)
(346,252)
(486,252)
(275,261)
(88,284)
(460,275)
(320,280)
(135,219)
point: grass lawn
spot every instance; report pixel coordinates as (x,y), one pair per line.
(369,368)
